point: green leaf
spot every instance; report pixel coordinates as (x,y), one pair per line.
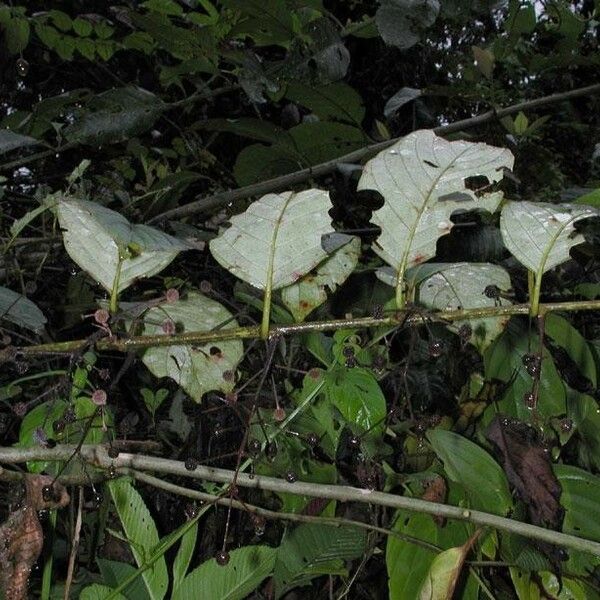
(101,240)
(256,129)
(114,572)
(21,311)
(337,101)
(245,571)
(184,555)
(61,20)
(99,592)
(579,498)
(166,7)
(82,27)
(17,35)
(583,411)
(399,99)
(503,361)
(484,61)
(444,572)
(409,564)
(540,235)
(302,297)
(120,113)
(86,48)
(402,22)
(196,368)
(463,286)
(357,395)
(591,199)
(9,140)
(311,550)
(567,337)
(141,532)
(277,240)
(422,179)
(478,473)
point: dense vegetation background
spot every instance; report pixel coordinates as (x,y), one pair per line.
(179,115)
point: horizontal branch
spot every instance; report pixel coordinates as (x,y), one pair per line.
(409,317)
(97,455)
(285,181)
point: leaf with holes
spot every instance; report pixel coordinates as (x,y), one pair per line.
(312,550)
(197,368)
(245,571)
(539,234)
(423,179)
(310,292)
(140,529)
(277,240)
(112,250)
(465,285)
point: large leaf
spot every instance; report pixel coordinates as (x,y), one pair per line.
(120,114)
(110,248)
(504,361)
(140,529)
(464,285)
(21,311)
(184,555)
(470,465)
(303,297)
(277,240)
(245,571)
(540,235)
(196,368)
(311,550)
(9,140)
(401,22)
(422,179)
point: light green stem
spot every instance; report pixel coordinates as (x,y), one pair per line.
(535,298)
(266,314)
(114,294)
(47,574)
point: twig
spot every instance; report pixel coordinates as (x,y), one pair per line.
(271,514)
(285,181)
(96,455)
(241,333)
(74,546)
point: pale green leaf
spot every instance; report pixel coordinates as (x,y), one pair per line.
(140,529)
(539,234)
(277,240)
(444,572)
(245,571)
(311,550)
(463,286)
(110,248)
(402,22)
(21,311)
(197,368)
(114,572)
(422,180)
(303,297)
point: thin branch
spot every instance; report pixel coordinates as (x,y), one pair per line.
(285,181)
(271,514)
(240,333)
(96,455)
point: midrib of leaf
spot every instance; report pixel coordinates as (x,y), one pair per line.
(400,285)
(264,329)
(535,301)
